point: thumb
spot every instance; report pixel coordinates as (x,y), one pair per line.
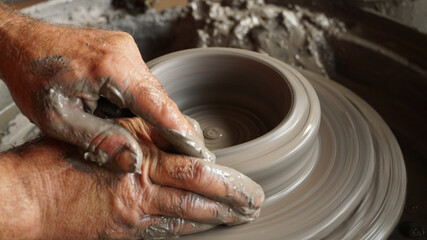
(148,100)
(103,141)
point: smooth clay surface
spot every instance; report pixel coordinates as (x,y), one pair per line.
(235,102)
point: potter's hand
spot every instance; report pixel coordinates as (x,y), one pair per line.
(56,75)
(53,195)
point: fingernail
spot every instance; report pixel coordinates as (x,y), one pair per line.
(127,161)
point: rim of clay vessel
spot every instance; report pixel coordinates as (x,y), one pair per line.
(198,80)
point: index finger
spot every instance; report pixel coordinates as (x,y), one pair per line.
(147,99)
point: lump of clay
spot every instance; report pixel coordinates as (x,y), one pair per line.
(134,6)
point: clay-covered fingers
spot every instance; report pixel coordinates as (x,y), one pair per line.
(103,141)
(173,202)
(159,227)
(144,132)
(145,97)
(216,182)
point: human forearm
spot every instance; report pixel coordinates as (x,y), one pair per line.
(13,34)
(6,14)
(40,199)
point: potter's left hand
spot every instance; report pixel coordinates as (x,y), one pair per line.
(47,193)
(56,75)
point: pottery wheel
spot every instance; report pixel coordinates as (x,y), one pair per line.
(329,165)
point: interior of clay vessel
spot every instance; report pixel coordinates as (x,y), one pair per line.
(235,99)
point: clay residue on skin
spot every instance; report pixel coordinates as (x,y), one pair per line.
(183,142)
(241,186)
(79,128)
(164,228)
(188,144)
(195,143)
(241,196)
(50,66)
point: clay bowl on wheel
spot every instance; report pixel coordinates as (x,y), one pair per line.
(326,173)
(257,116)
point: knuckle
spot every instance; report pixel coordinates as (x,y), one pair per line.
(186,170)
(126,36)
(122,39)
(103,63)
(149,197)
(199,169)
(127,201)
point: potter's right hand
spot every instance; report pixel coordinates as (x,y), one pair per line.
(56,74)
